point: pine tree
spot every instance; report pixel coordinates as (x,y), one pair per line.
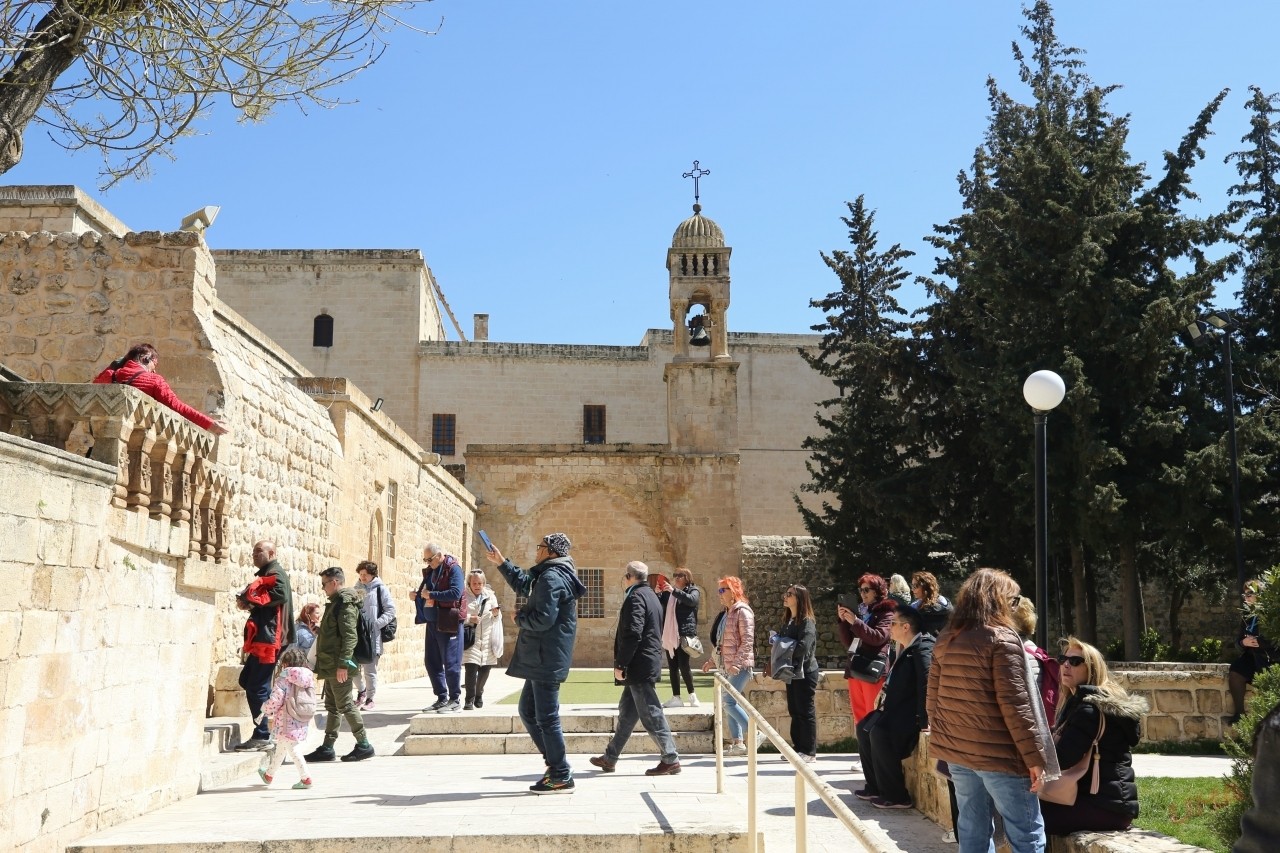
(863,454)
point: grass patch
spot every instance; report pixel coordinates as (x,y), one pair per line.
(1184,809)
(596,687)
(1203,746)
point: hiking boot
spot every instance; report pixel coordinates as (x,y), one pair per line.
(449,707)
(253,744)
(551,786)
(360,753)
(692,701)
(604,764)
(433,709)
(303,785)
(664,769)
(321,753)
(673,702)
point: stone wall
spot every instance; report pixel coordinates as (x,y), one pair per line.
(835,722)
(616,504)
(1188,700)
(770,564)
(104,654)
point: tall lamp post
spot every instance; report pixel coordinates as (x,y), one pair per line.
(1043,391)
(1198,331)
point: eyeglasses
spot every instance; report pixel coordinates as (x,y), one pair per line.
(722,590)
(866,589)
(1074,660)
(1015,601)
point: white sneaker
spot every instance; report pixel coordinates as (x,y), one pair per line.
(736,749)
(692,701)
(949,837)
(673,702)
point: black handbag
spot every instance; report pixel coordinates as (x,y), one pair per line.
(468,636)
(870,670)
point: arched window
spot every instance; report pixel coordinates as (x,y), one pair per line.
(322,331)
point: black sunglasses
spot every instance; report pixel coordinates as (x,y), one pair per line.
(1074,660)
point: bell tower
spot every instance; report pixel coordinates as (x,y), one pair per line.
(702,378)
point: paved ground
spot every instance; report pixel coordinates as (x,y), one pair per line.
(399,796)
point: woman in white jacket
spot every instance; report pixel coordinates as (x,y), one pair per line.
(485,618)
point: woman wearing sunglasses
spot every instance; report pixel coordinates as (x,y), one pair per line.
(733,637)
(1090,697)
(870,628)
(800,625)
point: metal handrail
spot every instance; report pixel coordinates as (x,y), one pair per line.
(872,838)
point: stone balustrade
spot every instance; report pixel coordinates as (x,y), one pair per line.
(164,463)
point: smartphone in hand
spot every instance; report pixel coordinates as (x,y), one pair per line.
(850,601)
(484,537)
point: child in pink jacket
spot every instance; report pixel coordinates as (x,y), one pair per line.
(288,731)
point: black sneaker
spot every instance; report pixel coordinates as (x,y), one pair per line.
(321,753)
(864,794)
(450,707)
(479,702)
(360,753)
(433,709)
(253,744)
(551,786)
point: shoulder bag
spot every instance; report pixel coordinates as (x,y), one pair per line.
(1064,789)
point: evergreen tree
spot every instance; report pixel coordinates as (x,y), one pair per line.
(863,455)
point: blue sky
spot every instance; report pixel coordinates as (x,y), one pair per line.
(533,151)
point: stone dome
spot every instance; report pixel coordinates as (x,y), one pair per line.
(698,232)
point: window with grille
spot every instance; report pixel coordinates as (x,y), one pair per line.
(322,331)
(444,430)
(393,496)
(593,424)
(591,605)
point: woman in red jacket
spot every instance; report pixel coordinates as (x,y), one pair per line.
(871,630)
(138,368)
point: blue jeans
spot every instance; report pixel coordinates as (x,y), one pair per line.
(737,717)
(640,704)
(978,792)
(540,712)
(444,663)
(255,678)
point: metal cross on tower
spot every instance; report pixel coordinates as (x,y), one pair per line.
(696,173)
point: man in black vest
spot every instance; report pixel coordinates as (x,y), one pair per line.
(637,663)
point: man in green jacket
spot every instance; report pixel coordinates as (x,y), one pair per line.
(335,663)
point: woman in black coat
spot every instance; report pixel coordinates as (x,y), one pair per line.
(801,626)
(1091,696)
(687,598)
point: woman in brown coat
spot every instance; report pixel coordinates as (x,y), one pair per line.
(980,711)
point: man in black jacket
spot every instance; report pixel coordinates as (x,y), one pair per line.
(889,734)
(637,663)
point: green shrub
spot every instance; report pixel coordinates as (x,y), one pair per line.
(1114,649)
(1208,650)
(1152,648)
(1239,745)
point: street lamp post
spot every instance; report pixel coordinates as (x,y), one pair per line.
(1043,391)
(1224,324)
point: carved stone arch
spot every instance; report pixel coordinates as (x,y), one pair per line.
(604,538)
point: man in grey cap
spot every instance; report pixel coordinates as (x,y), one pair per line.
(638,663)
(548,625)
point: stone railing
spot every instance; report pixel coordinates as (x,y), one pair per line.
(163,461)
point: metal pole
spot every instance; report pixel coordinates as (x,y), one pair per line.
(1042,532)
(1241,577)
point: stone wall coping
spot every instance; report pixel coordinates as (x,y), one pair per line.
(1160,668)
(319,257)
(532,352)
(64,195)
(57,461)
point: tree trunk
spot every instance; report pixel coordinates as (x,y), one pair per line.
(1176,599)
(1131,601)
(1080,590)
(45,55)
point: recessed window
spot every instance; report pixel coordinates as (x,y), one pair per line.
(591,605)
(322,331)
(593,424)
(393,497)
(444,431)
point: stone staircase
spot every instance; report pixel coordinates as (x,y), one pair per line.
(587,730)
(218,764)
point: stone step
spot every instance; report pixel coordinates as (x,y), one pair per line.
(687,743)
(221,734)
(219,763)
(590,721)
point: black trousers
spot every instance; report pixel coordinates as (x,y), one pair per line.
(881,764)
(678,665)
(804,715)
(476,677)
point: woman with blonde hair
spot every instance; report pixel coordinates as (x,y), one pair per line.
(733,638)
(483,616)
(983,720)
(1093,703)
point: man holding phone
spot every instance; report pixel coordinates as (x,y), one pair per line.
(548,625)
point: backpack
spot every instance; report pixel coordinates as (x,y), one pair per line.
(389,629)
(366,642)
(1050,682)
(300,702)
